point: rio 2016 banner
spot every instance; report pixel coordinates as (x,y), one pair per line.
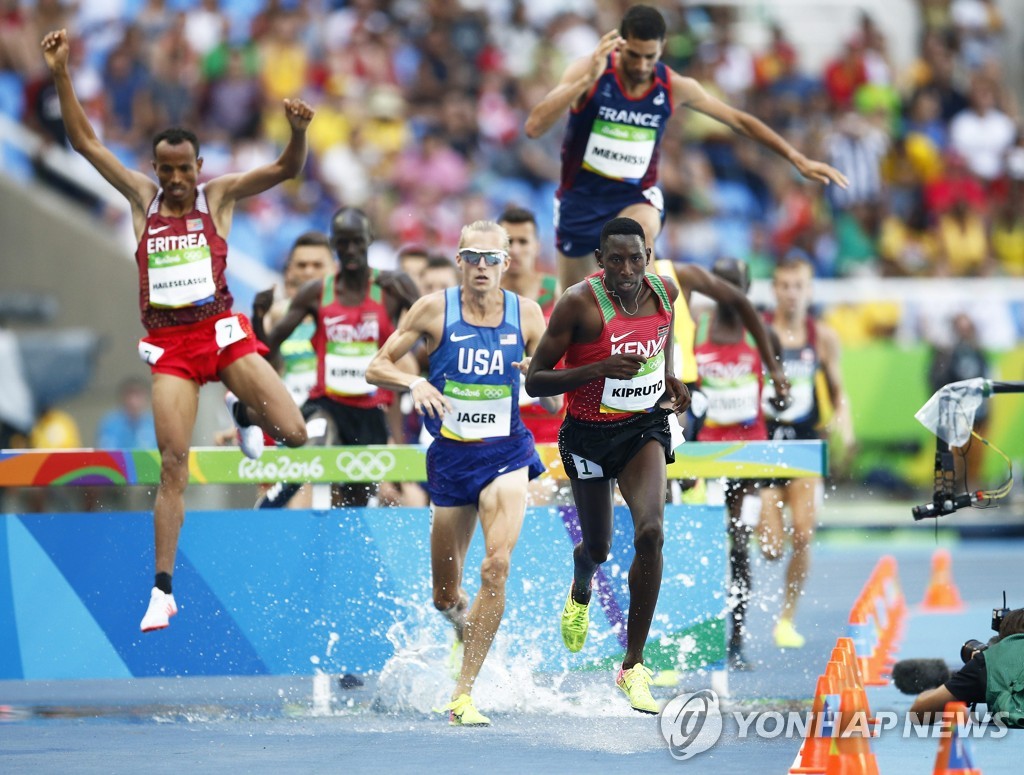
(85,467)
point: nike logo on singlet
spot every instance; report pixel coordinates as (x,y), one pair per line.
(620,337)
(463,338)
(333,321)
(158,229)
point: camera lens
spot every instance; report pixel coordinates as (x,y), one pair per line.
(968,649)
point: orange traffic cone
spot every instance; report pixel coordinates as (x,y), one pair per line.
(954,756)
(850,752)
(846,644)
(942,594)
(813,755)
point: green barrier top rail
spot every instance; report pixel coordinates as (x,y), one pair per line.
(219,465)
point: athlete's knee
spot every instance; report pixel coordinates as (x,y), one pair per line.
(596,551)
(649,537)
(494,569)
(802,537)
(174,466)
(446,598)
(292,433)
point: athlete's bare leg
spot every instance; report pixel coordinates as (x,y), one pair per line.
(175,403)
(642,484)
(268,401)
(502,508)
(451,530)
(649,217)
(801,495)
(572,270)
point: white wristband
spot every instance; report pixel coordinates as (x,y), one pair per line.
(415,382)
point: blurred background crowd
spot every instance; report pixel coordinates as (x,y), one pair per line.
(421,105)
(420,111)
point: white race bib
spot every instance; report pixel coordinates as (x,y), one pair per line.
(478,411)
(181,277)
(619,151)
(345,368)
(150,353)
(638,394)
(735,404)
(228,330)
(586,469)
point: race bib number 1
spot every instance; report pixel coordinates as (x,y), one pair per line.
(228,331)
(586,469)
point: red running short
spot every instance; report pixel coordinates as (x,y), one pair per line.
(200,351)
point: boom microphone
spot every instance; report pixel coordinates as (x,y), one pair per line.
(913,676)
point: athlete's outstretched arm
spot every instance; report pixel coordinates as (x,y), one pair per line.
(132,185)
(305,302)
(224,191)
(702,281)
(572,321)
(533,330)
(576,81)
(692,95)
(425,321)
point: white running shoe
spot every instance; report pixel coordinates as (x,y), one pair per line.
(161,609)
(250,438)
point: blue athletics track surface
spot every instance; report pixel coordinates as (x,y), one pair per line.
(545,718)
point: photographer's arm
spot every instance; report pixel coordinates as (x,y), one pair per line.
(932,701)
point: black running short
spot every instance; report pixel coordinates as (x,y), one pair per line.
(352,425)
(600,450)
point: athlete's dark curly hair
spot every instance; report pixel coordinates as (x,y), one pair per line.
(176,136)
(624,227)
(643,23)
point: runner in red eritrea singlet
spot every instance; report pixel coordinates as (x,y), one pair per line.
(192,335)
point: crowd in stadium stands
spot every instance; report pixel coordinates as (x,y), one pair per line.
(420,108)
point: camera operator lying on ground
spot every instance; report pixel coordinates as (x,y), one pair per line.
(993,673)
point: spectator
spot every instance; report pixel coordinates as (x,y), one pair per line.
(130,425)
(962,242)
(982,134)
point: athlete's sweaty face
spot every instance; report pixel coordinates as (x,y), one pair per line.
(481,277)
(523,247)
(351,243)
(792,287)
(307,262)
(177,169)
(637,59)
(624,259)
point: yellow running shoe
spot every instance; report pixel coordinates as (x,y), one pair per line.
(665,678)
(786,636)
(462,713)
(575,623)
(636,684)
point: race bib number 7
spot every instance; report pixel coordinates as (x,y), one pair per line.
(228,331)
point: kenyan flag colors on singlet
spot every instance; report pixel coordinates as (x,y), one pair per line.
(606,399)
(345,341)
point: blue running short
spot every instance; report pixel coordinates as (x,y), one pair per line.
(580,218)
(457,471)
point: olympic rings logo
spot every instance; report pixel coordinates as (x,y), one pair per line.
(365,465)
(494,393)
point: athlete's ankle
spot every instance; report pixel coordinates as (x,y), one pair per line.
(581,593)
